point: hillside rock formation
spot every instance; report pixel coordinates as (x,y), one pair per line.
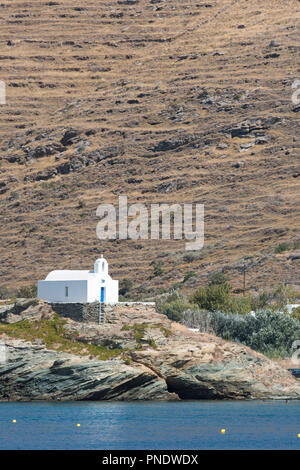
(158,360)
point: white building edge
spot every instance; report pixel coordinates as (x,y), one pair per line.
(70,286)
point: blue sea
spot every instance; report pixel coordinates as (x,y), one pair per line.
(150,425)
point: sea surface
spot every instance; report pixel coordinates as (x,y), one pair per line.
(150,425)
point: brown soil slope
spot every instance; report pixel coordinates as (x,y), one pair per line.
(156,93)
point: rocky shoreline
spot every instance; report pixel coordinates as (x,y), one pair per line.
(157,360)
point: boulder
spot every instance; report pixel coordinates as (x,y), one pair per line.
(70,137)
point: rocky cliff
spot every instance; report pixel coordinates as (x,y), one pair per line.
(137,354)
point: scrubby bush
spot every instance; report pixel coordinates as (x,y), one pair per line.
(217,296)
(269,332)
(157,269)
(275,298)
(174,306)
(296,313)
(282,247)
(192,256)
(188,275)
(125,286)
(213,308)
(174,310)
(217,279)
(213,297)
(240,304)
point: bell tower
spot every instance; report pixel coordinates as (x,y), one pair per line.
(101,266)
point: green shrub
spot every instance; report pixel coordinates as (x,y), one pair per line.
(296,313)
(213,297)
(174,306)
(271,333)
(188,276)
(240,304)
(157,269)
(174,310)
(152,343)
(282,247)
(217,296)
(217,279)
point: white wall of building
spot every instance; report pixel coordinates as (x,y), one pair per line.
(55,291)
(115,292)
(111,290)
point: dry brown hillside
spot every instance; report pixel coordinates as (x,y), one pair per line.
(148,98)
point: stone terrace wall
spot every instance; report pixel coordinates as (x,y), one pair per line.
(89,312)
(80,312)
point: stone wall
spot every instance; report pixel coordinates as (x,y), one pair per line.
(81,312)
(89,312)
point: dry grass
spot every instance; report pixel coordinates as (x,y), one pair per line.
(133,74)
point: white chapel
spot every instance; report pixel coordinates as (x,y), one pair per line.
(80,286)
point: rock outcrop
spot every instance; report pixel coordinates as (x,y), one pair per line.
(33,372)
(158,360)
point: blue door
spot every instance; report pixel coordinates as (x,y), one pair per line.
(102,295)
